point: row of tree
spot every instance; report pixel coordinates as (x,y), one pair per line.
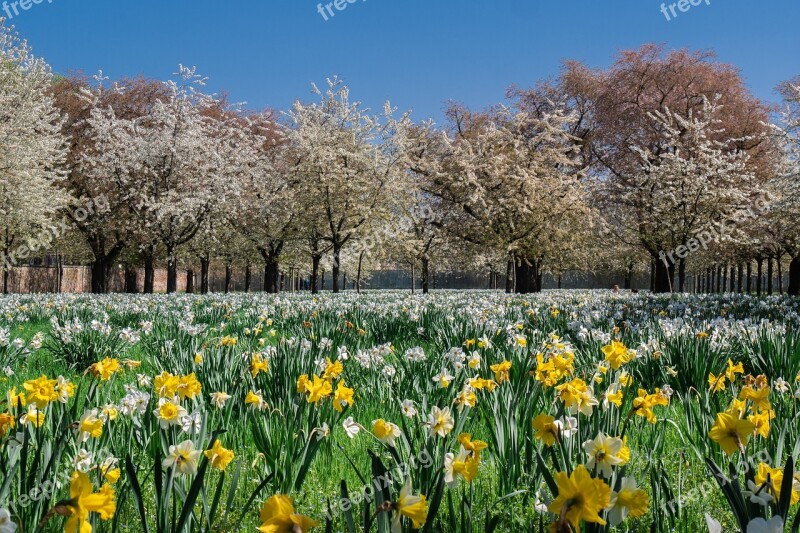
(664,161)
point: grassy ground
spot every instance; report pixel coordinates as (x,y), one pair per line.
(678,342)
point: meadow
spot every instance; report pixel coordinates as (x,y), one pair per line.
(384,411)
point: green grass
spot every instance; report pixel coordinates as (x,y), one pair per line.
(667,454)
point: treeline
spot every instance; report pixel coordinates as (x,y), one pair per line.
(663,163)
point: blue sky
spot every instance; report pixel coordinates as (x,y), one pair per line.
(416,53)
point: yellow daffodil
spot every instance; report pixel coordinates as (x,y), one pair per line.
(7,422)
(41,391)
(83,501)
(343,397)
(630,500)
(766,474)
(278,515)
(733,369)
(318,389)
(545,429)
(731,433)
(501,371)
(218,456)
(617,354)
(166,385)
(415,508)
(104,369)
(332,370)
(581,498)
(385,432)
(189,387)
(761,423)
(302,384)
(257,365)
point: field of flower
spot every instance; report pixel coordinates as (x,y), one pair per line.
(458,411)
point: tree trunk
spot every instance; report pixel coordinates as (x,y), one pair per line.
(205,267)
(528,276)
(315,261)
(358,275)
(248,277)
(724,273)
(413,279)
(172,272)
(770,274)
(749,277)
(628,282)
(426,273)
(101,271)
(337,256)
(271,275)
(653,275)
(149,271)
(131,280)
(794,276)
(523,277)
(59,273)
(510,276)
(739,286)
(759,274)
(780,274)
(190,281)
(682,275)
(662,282)
(228,278)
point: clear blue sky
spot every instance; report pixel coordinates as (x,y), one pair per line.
(417,53)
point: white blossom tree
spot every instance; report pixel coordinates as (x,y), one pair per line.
(506,180)
(32,152)
(176,162)
(688,183)
(344,167)
(785,211)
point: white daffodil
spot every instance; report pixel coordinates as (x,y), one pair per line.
(183,457)
(351,427)
(6,525)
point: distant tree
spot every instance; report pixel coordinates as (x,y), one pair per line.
(614,109)
(344,168)
(32,152)
(175,162)
(785,213)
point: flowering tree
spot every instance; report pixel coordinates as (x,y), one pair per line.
(344,164)
(686,182)
(32,151)
(175,162)
(625,141)
(786,188)
(507,179)
(106,234)
(264,208)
